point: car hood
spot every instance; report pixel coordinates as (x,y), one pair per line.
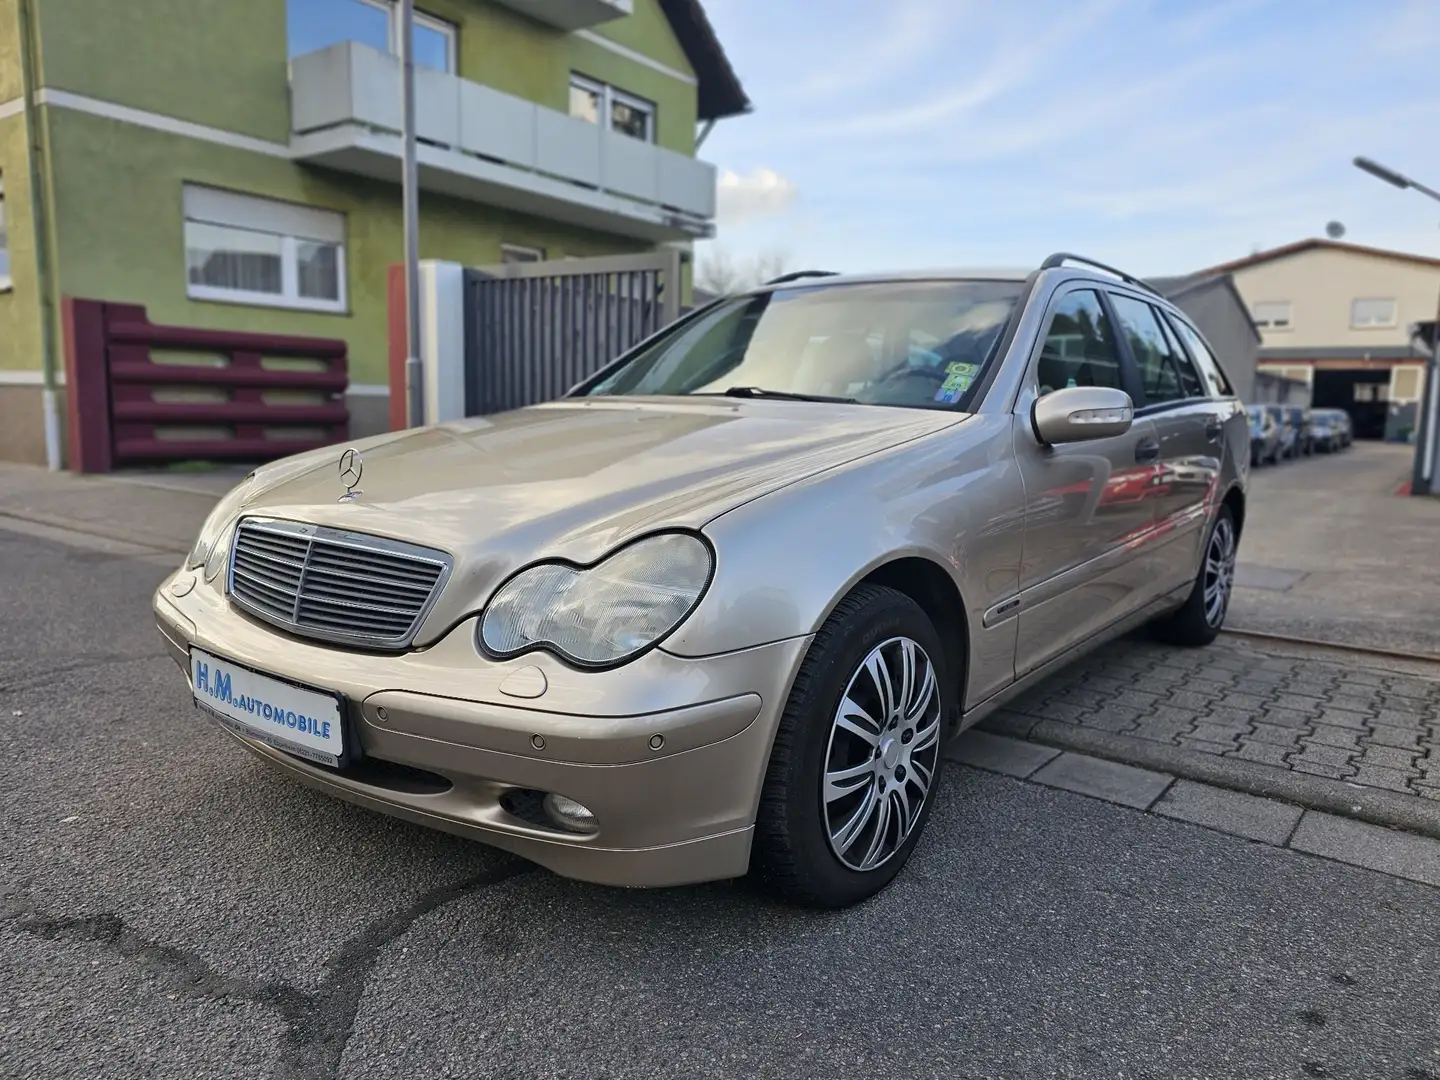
(573,479)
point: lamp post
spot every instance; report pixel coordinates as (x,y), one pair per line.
(1422,479)
(409,200)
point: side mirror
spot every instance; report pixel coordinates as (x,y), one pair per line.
(1078,413)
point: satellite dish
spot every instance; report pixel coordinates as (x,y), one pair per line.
(1334,230)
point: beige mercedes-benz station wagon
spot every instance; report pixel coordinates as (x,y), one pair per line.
(718,610)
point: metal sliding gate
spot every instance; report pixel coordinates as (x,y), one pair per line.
(534,330)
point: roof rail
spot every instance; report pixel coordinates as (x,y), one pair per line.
(795,275)
(1060,258)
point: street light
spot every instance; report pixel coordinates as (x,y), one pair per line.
(1423,475)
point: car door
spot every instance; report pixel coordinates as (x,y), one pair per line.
(1235,438)
(1088,505)
(1190,429)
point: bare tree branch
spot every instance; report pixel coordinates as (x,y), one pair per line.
(720,273)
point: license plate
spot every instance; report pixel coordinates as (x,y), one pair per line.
(288,717)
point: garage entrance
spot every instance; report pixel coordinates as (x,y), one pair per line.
(1362,392)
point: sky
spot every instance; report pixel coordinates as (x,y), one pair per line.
(1162,136)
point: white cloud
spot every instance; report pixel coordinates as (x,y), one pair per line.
(760,192)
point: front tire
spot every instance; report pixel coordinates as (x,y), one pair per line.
(856,760)
(1199,620)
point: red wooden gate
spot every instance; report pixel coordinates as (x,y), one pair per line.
(234,402)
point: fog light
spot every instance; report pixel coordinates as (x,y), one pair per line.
(571,815)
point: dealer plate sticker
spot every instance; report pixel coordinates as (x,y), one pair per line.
(301,722)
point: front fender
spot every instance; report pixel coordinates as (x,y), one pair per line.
(785,560)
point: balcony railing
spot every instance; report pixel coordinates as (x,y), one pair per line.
(480,143)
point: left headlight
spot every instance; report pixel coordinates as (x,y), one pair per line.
(600,615)
(212,544)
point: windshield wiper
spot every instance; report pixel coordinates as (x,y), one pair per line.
(785,395)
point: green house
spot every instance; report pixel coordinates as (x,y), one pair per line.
(235,164)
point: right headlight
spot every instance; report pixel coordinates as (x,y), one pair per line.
(600,615)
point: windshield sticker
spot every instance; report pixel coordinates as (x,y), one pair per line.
(958,378)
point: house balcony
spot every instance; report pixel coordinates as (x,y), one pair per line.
(570,15)
(477,143)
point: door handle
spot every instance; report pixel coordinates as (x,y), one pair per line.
(1147,450)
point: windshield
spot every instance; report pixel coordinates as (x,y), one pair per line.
(918,344)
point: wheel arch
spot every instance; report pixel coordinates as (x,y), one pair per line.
(1234,498)
(933,588)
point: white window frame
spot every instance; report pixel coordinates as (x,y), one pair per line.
(293,223)
(1371,325)
(1272,324)
(447,30)
(429,22)
(6,281)
(526,253)
(609,96)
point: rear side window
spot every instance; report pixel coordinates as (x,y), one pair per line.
(1079,348)
(1154,351)
(1204,359)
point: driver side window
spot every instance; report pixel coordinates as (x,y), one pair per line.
(1079,348)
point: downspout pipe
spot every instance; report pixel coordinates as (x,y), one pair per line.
(50,396)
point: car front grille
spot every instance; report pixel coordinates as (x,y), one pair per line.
(333,585)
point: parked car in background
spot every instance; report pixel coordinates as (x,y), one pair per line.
(1264,436)
(1347,427)
(1301,421)
(1330,429)
(719,608)
(1281,416)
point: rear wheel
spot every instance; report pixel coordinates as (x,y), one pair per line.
(856,760)
(1199,620)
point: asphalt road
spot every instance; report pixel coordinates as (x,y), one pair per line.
(168,908)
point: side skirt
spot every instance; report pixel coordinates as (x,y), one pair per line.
(1169,602)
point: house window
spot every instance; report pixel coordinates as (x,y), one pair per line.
(625,113)
(1271,315)
(4,242)
(518,253)
(246,250)
(318,24)
(1405,383)
(1366,314)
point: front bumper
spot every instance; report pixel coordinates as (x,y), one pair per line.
(674,814)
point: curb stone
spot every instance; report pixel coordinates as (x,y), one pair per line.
(1412,813)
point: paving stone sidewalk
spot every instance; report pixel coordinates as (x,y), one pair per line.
(1348,729)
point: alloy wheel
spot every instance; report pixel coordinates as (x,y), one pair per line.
(882,755)
(1219,571)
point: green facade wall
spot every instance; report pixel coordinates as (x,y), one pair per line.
(10,83)
(120,233)
(20,306)
(215,62)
